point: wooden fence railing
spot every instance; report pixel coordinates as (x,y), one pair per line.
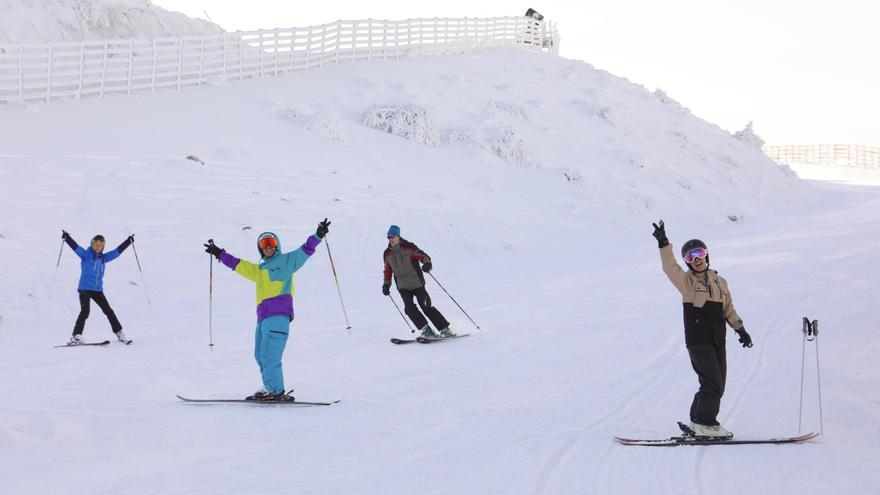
(48,72)
(826,154)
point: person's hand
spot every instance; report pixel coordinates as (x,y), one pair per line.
(212,249)
(131,239)
(744,338)
(427,267)
(660,234)
(386,289)
(65,235)
(323,228)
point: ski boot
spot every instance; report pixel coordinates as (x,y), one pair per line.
(122,338)
(426,332)
(447,332)
(714,432)
(75,340)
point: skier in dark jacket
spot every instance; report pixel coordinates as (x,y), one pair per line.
(406,262)
(91,283)
(708,308)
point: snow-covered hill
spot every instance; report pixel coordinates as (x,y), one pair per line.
(531,180)
(43,21)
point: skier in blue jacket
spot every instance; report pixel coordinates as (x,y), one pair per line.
(91,282)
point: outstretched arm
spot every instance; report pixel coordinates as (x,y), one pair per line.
(72,243)
(112,255)
(296,259)
(244,268)
(673,271)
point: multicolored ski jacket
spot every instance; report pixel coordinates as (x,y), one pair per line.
(273,276)
(402,261)
(92,263)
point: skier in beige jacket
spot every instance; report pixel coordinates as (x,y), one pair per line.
(708,308)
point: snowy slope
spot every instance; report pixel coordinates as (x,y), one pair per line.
(532,185)
(44,21)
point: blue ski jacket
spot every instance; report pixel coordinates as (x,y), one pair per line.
(92,263)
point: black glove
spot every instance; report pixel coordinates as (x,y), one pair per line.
(212,249)
(386,289)
(427,267)
(323,228)
(660,234)
(744,338)
(65,235)
(131,239)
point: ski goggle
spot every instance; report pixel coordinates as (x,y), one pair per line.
(695,253)
(268,242)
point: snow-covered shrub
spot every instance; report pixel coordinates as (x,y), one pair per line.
(506,145)
(748,136)
(458,136)
(496,108)
(327,127)
(405,120)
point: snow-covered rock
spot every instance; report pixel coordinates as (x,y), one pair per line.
(44,21)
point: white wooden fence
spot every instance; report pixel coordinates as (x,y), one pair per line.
(851,155)
(48,72)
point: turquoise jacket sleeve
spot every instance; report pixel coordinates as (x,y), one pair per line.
(294,260)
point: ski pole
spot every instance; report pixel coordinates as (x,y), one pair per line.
(811,333)
(144,282)
(57,264)
(338,289)
(411,329)
(453,300)
(210,298)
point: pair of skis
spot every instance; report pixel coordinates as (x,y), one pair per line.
(93,344)
(424,340)
(280,402)
(689,438)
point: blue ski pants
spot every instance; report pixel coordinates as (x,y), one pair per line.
(269,343)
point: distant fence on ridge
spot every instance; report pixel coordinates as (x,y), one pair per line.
(851,155)
(47,72)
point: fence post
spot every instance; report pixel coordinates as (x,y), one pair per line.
(153,77)
(104,70)
(49,73)
(240,57)
(223,50)
(21,71)
(276,52)
(179,62)
(130,63)
(201,60)
(82,69)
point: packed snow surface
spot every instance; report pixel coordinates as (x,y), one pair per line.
(534,196)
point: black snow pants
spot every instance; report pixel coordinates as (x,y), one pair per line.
(710,364)
(424,300)
(85,297)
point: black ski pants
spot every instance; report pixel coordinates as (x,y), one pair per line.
(710,364)
(85,298)
(424,300)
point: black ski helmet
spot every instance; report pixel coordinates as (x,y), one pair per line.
(693,244)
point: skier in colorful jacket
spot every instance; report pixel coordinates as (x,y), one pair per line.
(91,282)
(406,263)
(274,280)
(708,308)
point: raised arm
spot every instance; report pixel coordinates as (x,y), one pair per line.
(72,243)
(244,268)
(112,255)
(673,271)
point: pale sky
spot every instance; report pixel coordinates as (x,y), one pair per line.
(805,71)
